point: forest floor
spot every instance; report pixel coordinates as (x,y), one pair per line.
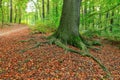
(49,62)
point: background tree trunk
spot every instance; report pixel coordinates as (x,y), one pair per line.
(15,16)
(43,10)
(48,6)
(10,11)
(0,3)
(20,15)
(85,12)
(2,16)
(111,21)
(93,8)
(56,10)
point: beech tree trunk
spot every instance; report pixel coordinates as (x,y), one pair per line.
(68,30)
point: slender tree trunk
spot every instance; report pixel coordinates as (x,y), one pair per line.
(85,12)
(8,14)
(100,19)
(43,10)
(68,30)
(0,3)
(36,14)
(15,18)
(118,17)
(56,10)
(39,9)
(107,23)
(100,25)
(2,16)
(20,15)
(36,9)
(111,21)
(10,11)
(107,15)
(48,6)
(82,10)
(93,8)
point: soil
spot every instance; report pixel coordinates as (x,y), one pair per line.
(49,62)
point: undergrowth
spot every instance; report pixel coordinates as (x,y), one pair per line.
(105,33)
(114,36)
(43,27)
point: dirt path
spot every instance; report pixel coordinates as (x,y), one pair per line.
(49,62)
(6,33)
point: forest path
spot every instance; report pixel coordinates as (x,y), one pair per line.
(12,30)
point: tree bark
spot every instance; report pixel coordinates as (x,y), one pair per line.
(118,17)
(15,16)
(111,21)
(68,30)
(2,17)
(20,15)
(85,12)
(93,8)
(36,11)
(56,10)
(10,11)
(48,6)
(43,10)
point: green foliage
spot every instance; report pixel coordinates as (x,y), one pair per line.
(96,43)
(43,27)
(114,35)
(90,33)
(97,17)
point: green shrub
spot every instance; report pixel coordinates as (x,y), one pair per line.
(114,35)
(43,27)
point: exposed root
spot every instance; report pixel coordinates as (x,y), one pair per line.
(84,53)
(31,39)
(38,44)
